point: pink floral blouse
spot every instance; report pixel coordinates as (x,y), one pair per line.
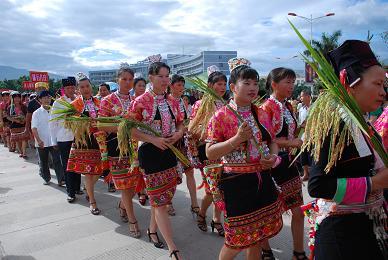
(224,125)
(146,106)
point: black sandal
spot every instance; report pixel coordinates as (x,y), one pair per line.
(95,211)
(122,212)
(135,233)
(175,254)
(201,222)
(267,254)
(194,211)
(218,227)
(157,244)
(300,255)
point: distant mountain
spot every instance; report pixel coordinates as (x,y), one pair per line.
(7,72)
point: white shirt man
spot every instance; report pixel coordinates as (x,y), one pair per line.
(64,138)
(44,141)
(58,132)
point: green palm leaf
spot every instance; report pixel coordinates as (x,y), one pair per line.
(339,96)
(202,86)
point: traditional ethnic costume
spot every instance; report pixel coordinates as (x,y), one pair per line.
(124,176)
(161,112)
(181,143)
(86,158)
(5,127)
(196,145)
(284,126)
(253,211)
(18,130)
(348,219)
(381,126)
(196,148)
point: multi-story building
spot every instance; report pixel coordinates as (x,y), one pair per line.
(185,65)
(192,65)
(100,76)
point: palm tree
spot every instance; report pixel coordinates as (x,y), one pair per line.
(326,44)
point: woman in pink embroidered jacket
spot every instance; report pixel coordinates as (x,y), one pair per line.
(176,89)
(253,211)
(351,220)
(161,112)
(125,177)
(201,113)
(281,82)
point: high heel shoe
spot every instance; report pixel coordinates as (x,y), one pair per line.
(157,244)
(171,210)
(194,211)
(201,222)
(135,233)
(175,254)
(142,198)
(267,254)
(94,210)
(218,227)
(122,212)
(299,255)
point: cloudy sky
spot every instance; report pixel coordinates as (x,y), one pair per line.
(66,36)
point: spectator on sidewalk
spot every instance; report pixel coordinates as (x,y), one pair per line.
(64,138)
(305,158)
(44,142)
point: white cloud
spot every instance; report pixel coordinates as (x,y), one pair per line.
(68,36)
(38,8)
(71,34)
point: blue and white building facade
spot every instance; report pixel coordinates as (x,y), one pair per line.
(181,64)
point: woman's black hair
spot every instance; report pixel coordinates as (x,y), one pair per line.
(278,74)
(137,80)
(122,70)
(105,85)
(216,76)
(177,78)
(155,67)
(243,72)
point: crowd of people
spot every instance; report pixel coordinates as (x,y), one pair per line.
(242,149)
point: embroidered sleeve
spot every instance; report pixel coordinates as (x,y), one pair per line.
(105,107)
(381,126)
(216,128)
(194,109)
(136,110)
(265,120)
(179,114)
(274,114)
(352,190)
(78,104)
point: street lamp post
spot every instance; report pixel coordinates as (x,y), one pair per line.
(311,20)
(288,58)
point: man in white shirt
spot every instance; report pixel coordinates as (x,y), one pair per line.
(64,138)
(305,97)
(43,141)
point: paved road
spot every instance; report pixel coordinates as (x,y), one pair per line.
(36,222)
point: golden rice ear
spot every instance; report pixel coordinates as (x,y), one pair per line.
(324,120)
(340,105)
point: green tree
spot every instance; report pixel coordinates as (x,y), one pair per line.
(298,89)
(327,43)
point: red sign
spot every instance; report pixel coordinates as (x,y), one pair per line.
(37,76)
(309,73)
(28,85)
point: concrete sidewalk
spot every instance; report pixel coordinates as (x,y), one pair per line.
(36,222)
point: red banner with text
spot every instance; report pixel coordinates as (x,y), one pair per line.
(39,76)
(28,85)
